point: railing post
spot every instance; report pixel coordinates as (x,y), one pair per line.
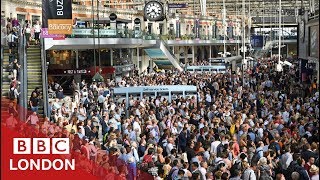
(23,97)
(44,79)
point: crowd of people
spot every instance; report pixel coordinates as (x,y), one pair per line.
(261,128)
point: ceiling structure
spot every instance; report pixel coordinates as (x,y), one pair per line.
(234,7)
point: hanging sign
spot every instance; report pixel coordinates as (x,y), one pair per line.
(57,16)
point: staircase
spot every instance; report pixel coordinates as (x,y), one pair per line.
(34,73)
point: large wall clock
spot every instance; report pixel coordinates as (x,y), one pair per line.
(153,11)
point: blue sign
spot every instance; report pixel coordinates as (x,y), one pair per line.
(174,5)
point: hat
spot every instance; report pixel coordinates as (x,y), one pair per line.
(314,169)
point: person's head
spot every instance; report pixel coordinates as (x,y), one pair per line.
(225,176)
(176,163)
(314,169)
(280,177)
(311,160)
(196,176)
(194,166)
(181,173)
(150,151)
(295,176)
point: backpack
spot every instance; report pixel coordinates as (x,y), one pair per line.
(273,147)
(220,149)
(255,158)
(235,167)
(11,94)
(169,176)
(86,102)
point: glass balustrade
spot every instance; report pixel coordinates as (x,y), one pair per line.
(128,33)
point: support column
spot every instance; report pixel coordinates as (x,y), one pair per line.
(138,61)
(77,77)
(111,57)
(210,51)
(193,54)
(185,54)
(178,54)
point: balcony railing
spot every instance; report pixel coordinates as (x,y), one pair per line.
(128,33)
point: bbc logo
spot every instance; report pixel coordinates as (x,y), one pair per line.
(41,146)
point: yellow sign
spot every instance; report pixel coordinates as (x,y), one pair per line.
(60,26)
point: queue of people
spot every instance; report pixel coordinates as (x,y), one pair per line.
(261,128)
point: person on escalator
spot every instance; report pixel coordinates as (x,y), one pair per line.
(27,32)
(11,39)
(34,102)
(15,68)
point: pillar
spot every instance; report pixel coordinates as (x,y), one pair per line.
(185,54)
(193,54)
(210,51)
(111,57)
(138,61)
(77,77)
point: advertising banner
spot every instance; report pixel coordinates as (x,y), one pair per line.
(57,16)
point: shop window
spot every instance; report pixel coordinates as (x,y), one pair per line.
(34,19)
(21,17)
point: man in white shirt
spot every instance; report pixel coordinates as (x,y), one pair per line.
(215,144)
(286,116)
(169,146)
(203,169)
(208,99)
(112,122)
(286,158)
(136,126)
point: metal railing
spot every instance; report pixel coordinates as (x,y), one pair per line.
(129,33)
(23,97)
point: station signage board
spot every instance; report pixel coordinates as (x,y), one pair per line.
(176,5)
(76,71)
(102,32)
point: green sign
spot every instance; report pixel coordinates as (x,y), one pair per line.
(102,32)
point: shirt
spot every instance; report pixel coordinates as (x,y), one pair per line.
(37,28)
(33,119)
(249,174)
(214,146)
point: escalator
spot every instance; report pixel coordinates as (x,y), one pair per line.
(34,73)
(5,82)
(163,57)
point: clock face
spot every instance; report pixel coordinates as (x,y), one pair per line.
(153,11)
